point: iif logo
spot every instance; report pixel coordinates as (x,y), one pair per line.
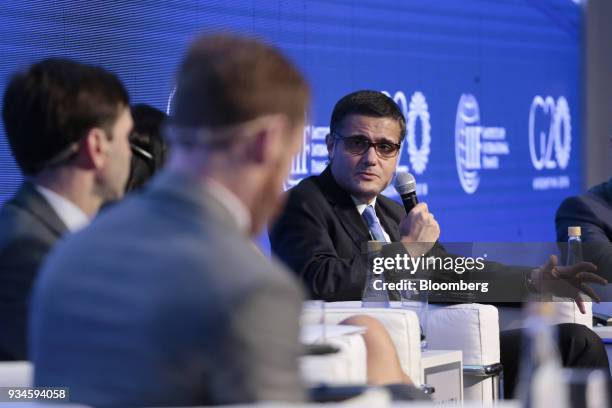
(312,158)
(476,147)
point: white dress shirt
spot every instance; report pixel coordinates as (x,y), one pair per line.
(361,208)
(72,216)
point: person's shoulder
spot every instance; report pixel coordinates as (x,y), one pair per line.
(601,193)
(584,204)
(229,269)
(573,210)
(306,187)
(19,224)
(308,193)
(571,204)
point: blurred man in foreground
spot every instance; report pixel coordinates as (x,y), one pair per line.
(67,125)
(173,305)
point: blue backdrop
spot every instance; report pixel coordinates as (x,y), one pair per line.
(491,89)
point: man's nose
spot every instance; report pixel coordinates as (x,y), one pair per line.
(369,157)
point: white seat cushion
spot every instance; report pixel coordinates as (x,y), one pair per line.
(472,328)
(402,326)
(347,366)
(15,374)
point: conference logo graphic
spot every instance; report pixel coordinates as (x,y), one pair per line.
(415,111)
(550,141)
(312,158)
(417,144)
(477,147)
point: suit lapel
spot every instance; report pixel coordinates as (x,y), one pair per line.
(344,208)
(32,201)
(353,223)
(388,222)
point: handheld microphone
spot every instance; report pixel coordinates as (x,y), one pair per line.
(405,185)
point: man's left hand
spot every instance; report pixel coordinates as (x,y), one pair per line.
(567,281)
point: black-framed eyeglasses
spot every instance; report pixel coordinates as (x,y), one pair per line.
(359,144)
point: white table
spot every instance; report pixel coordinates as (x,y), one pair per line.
(443,370)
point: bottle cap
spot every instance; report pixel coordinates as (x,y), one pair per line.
(574,231)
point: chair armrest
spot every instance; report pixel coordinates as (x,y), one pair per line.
(483,371)
(602,319)
(402,325)
(472,328)
(567,312)
(346,367)
(15,374)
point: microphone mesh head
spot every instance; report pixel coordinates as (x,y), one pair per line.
(404,183)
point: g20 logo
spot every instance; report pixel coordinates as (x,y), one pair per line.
(416,110)
(550,149)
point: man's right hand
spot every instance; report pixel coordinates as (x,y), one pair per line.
(419,230)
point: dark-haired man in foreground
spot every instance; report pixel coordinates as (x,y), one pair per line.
(329,217)
(67,125)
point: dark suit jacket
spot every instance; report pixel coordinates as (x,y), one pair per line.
(162,301)
(29,227)
(592,212)
(321,236)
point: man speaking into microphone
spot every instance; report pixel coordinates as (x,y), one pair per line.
(329,218)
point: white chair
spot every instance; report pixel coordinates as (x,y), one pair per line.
(567,312)
(347,366)
(471,328)
(402,326)
(15,374)
(474,329)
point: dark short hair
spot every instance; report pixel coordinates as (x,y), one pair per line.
(227,80)
(53,105)
(367,103)
(148,146)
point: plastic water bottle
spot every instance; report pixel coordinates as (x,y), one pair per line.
(574,246)
(371,297)
(541,382)
(418,301)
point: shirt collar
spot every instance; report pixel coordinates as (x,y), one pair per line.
(362,206)
(232,203)
(71,215)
